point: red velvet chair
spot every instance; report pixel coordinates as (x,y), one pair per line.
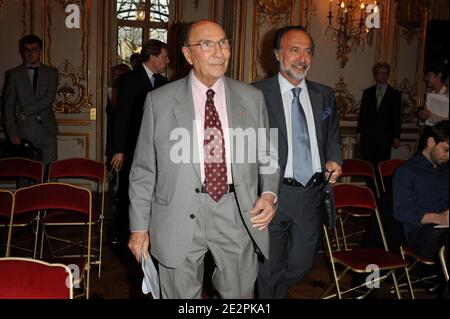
(6,207)
(23,278)
(387,169)
(358,260)
(78,170)
(409,254)
(356,168)
(17,168)
(73,201)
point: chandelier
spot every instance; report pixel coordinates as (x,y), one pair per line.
(348,26)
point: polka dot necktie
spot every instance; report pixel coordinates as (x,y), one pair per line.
(214,151)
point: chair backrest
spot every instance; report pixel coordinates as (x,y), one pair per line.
(357,167)
(352,195)
(17,167)
(77,168)
(53,196)
(387,169)
(6,203)
(23,278)
(82,168)
(352,167)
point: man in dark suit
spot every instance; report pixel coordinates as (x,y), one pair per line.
(131,94)
(30,90)
(379,120)
(309,150)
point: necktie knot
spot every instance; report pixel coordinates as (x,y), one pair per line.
(210,94)
(33,68)
(296,92)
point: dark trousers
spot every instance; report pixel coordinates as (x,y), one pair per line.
(294,235)
(120,202)
(375,150)
(426,240)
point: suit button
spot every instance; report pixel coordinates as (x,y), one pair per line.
(197,190)
(192,216)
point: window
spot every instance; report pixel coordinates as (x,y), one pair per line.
(137,22)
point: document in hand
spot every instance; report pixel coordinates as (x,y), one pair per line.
(438,104)
(150,283)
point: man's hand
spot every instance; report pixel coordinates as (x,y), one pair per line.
(335,168)
(263,211)
(436,218)
(15,140)
(139,242)
(117,161)
(443,218)
(396,143)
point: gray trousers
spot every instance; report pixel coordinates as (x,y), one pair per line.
(38,135)
(219,229)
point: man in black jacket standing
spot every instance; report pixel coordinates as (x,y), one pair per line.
(131,94)
(379,120)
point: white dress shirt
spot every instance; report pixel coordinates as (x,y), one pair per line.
(287,95)
(149,74)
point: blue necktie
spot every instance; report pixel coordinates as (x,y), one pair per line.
(301,159)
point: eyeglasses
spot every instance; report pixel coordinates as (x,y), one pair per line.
(31,50)
(208,45)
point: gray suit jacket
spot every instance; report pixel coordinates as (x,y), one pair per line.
(162,192)
(20,97)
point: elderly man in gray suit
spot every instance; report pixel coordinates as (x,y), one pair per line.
(210,203)
(30,90)
(309,156)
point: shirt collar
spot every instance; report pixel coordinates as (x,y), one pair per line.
(203,88)
(421,159)
(38,65)
(286,86)
(148,71)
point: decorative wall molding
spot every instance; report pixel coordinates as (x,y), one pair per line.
(73,122)
(345,102)
(274,11)
(72,96)
(81,139)
(410,15)
(268,16)
(307,11)
(82,70)
(408,101)
(410,26)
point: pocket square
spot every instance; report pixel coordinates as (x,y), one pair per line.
(326,113)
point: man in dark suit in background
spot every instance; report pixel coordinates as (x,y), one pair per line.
(379,120)
(131,94)
(305,115)
(29,93)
